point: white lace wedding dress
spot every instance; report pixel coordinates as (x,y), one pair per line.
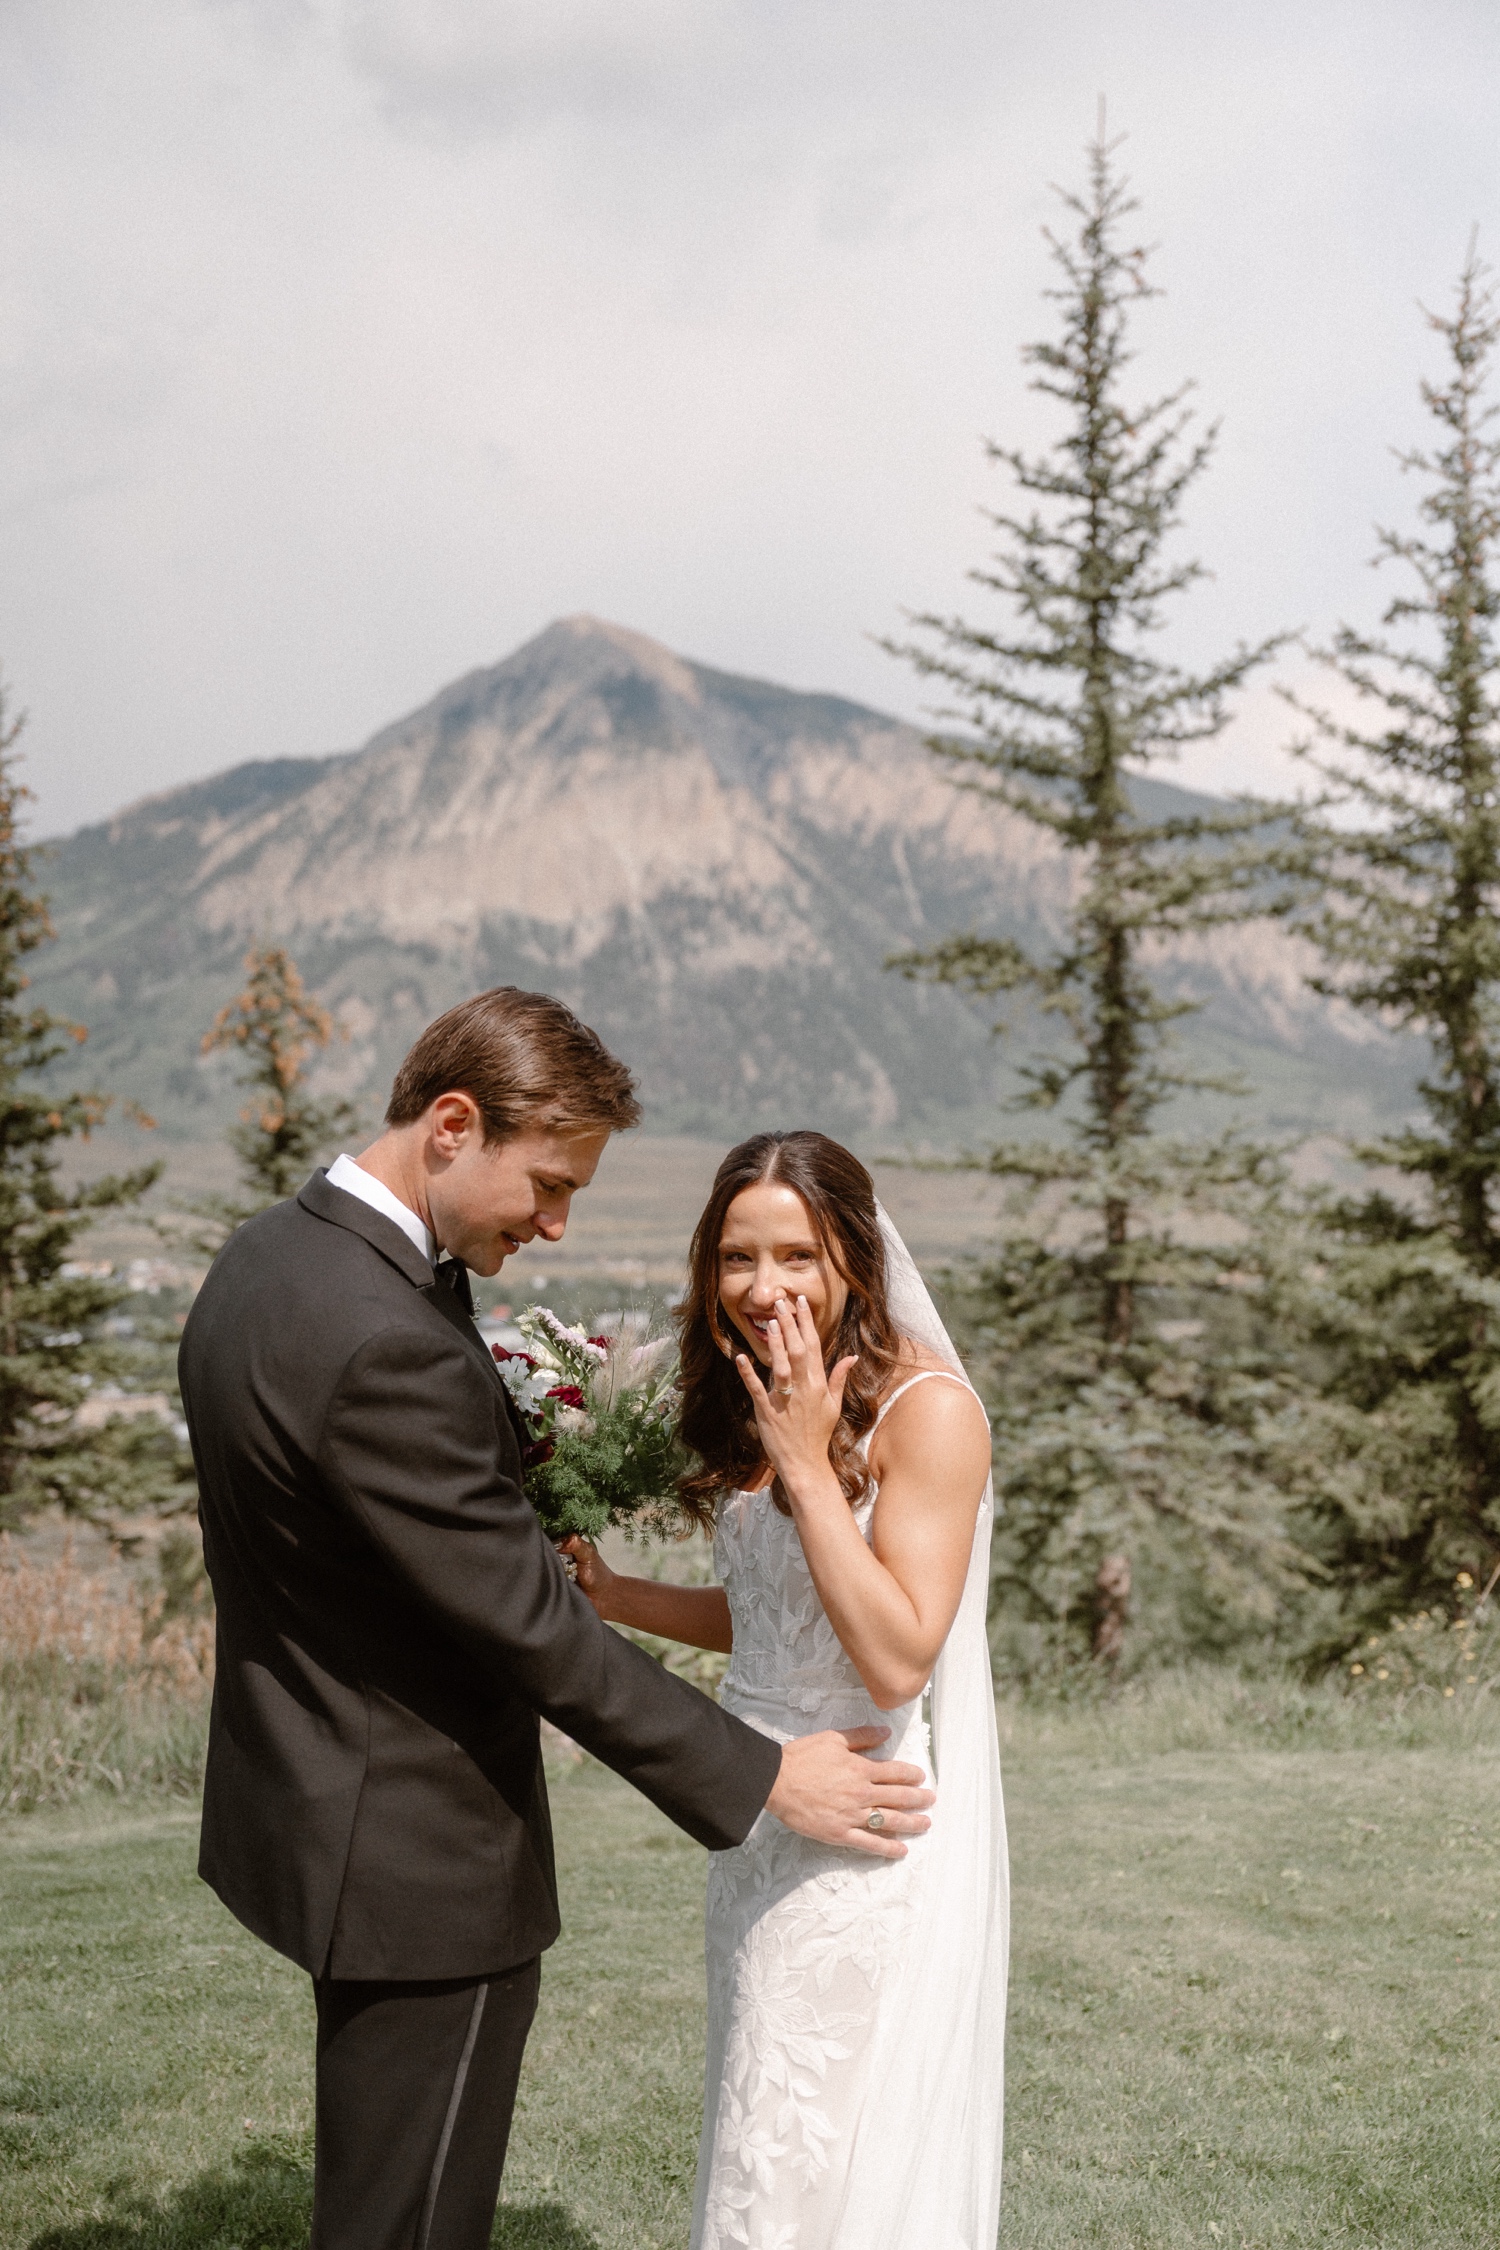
(856,2006)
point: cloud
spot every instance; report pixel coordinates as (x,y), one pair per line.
(486,69)
(348,341)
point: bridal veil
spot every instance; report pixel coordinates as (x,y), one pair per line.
(926,2165)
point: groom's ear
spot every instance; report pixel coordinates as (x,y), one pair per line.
(452,1120)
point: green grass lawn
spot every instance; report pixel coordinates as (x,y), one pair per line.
(1254,2003)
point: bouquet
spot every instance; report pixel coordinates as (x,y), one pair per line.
(601,1428)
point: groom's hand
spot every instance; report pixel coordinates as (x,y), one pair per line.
(827,1790)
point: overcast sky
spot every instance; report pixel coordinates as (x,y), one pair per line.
(347,342)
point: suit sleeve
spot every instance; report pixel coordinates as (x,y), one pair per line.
(408,1448)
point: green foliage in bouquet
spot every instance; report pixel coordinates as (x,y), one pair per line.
(619,1467)
(601,1419)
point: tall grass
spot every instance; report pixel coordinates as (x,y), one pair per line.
(103,1689)
(1431,1679)
(99,1689)
(1208,1707)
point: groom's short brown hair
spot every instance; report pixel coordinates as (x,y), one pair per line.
(525,1059)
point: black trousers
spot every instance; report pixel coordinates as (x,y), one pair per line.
(416,2084)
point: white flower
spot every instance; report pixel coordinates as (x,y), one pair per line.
(528,1386)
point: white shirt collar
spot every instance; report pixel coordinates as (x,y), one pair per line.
(346,1174)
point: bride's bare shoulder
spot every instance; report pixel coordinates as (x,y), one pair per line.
(917,1359)
(926,1405)
(932,1426)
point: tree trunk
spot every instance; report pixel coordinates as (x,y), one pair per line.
(1111,1608)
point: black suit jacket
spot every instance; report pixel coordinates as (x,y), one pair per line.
(391,1620)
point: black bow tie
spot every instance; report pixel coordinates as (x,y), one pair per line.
(453,1275)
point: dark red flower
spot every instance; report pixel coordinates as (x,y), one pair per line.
(498,1351)
(605,1343)
(568,1394)
(532,1456)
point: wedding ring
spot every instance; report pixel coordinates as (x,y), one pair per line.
(783,1390)
(876,1820)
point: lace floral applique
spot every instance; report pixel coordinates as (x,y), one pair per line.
(798,1933)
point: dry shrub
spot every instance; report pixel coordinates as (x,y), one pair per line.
(51,1612)
(97,1687)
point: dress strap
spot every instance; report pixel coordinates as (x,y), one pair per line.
(923,1375)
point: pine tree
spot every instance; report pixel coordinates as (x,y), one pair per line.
(54,1346)
(276,1026)
(1141,1406)
(1409,1306)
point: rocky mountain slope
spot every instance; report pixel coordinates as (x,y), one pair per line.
(711,869)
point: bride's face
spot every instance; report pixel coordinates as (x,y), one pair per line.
(769,1248)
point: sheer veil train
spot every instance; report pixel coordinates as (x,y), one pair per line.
(929,2136)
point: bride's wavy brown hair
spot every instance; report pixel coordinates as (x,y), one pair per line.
(717,1420)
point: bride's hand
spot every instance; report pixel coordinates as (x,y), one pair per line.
(799,1413)
(593,1574)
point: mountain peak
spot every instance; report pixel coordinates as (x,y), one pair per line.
(590,640)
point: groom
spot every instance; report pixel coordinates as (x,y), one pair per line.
(391,1620)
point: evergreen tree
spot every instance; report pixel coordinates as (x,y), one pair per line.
(1142,1410)
(1409,1302)
(276,1026)
(54,1341)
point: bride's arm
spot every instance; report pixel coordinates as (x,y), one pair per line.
(695,1615)
(891,1605)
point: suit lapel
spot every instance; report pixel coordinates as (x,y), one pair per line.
(442,1300)
(441,1297)
(382,1234)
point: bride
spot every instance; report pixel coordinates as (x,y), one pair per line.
(855,2004)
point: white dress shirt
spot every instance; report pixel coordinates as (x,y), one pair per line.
(346,1174)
